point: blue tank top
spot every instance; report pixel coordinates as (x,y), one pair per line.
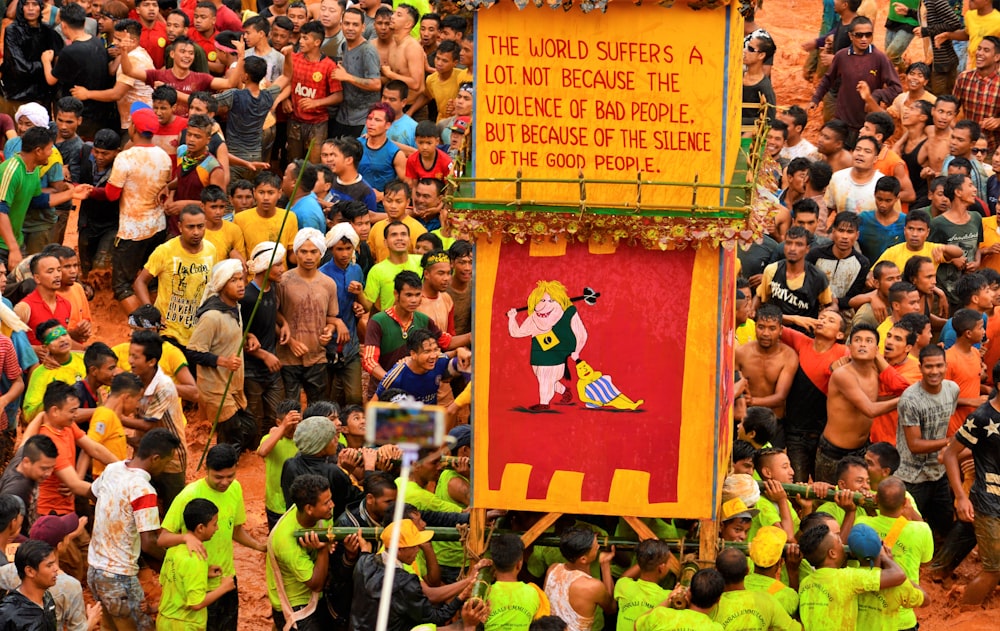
(376,165)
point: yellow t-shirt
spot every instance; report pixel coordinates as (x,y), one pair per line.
(107,429)
(257,229)
(228,237)
(376,238)
(171,361)
(182,279)
(746,332)
(978,27)
(444,90)
(991,236)
(900,254)
(184,578)
(828,598)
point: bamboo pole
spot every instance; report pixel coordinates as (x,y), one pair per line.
(807,492)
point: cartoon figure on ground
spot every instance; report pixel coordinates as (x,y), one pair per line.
(557,333)
(596,390)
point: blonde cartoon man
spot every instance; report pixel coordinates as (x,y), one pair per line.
(557,332)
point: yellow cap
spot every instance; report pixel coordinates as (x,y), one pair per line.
(767,546)
(409,536)
(736,508)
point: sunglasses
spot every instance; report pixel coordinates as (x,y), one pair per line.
(751,48)
(979,150)
(866,35)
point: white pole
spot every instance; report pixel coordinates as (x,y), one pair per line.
(410,453)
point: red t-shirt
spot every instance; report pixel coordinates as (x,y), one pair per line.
(50,500)
(207,43)
(227,20)
(154,40)
(168,136)
(40,312)
(193,82)
(415,169)
(312,80)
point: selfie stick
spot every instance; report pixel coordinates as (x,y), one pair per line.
(410,455)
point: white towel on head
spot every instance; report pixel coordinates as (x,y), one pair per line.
(221,273)
(34,112)
(262,255)
(312,235)
(338,232)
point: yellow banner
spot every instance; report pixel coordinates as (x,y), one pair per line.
(638,91)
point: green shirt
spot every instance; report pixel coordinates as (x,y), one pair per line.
(913,547)
(442,486)
(514,605)
(184,577)
(769,516)
(635,597)
(379,284)
(744,610)
(17,188)
(667,619)
(41,377)
(881,610)
(449,553)
(838,513)
(231,514)
(828,598)
(785,595)
(294,562)
(274,498)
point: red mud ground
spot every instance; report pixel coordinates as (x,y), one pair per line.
(789,22)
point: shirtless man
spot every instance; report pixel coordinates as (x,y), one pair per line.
(830,145)
(573,593)
(383,36)
(852,402)
(768,364)
(406,57)
(937,147)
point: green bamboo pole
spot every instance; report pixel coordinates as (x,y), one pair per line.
(807,492)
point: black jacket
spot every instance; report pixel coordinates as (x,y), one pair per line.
(23,78)
(342,488)
(409,605)
(19,613)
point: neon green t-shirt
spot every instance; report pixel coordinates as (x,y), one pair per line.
(379,284)
(752,611)
(880,611)
(231,514)
(70,372)
(662,618)
(828,598)
(294,562)
(449,553)
(274,498)
(514,605)
(184,578)
(787,597)
(447,476)
(913,547)
(635,597)
(769,516)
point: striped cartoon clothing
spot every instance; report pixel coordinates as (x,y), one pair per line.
(601,389)
(161,406)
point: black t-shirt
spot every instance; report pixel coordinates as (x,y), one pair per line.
(85,63)
(758,256)
(847,276)
(262,326)
(12,482)
(981,434)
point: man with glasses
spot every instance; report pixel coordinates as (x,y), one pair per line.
(978,90)
(860,63)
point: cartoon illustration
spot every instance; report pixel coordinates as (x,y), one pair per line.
(596,390)
(557,333)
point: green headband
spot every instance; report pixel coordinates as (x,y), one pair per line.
(54,334)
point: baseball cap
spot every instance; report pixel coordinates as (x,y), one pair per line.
(52,529)
(145,121)
(139,105)
(409,536)
(461,124)
(864,543)
(735,508)
(462,435)
(767,546)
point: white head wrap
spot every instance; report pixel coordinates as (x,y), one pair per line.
(338,232)
(33,112)
(260,258)
(312,235)
(221,274)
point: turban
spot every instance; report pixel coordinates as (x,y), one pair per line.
(338,232)
(34,112)
(312,235)
(221,274)
(260,258)
(313,434)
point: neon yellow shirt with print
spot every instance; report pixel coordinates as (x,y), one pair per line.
(838,513)
(274,498)
(182,279)
(787,597)
(450,553)
(828,598)
(442,485)
(913,546)
(70,372)
(513,605)
(881,610)
(184,578)
(752,611)
(664,619)
(107,429)
(379,284)
(295,563)
(635,597)
(231,514)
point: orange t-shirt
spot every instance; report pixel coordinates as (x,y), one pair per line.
(884,426)
(50,500)
(964,369)
(79,307)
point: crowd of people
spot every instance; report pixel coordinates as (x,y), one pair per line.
(264,185)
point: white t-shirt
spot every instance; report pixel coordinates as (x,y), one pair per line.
(804,149)
(141,172)
(845,194)
(126,507)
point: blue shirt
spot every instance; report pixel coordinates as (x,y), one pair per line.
(345,299)
(403,131)
(376,164)
(948,336)
(423,388)
(309,213)
(874,238)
